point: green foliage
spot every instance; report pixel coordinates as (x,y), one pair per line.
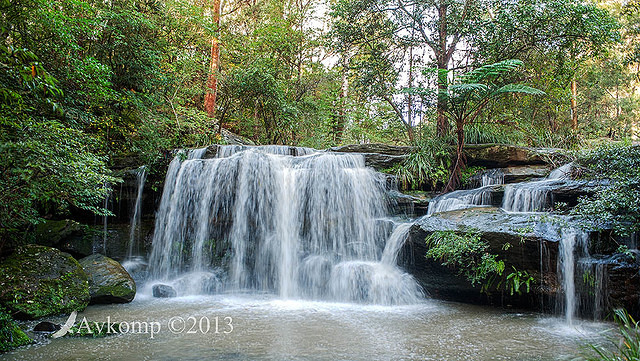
(467,253)
(11,336)
(468,173)
(516,280)
(617,204)
(626,343)
(428,164)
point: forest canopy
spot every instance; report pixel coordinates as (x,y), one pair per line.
(82,81)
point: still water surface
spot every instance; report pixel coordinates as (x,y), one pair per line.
(267,328)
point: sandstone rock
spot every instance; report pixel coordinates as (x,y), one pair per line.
(503,155)
(163,291)
(37,281)
(109,282)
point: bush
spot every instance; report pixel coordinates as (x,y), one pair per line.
(467,253)
(429,164)
(617,204)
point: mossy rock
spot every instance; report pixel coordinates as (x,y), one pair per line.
(109,282)
(11,336)
(38,281)
(66,235)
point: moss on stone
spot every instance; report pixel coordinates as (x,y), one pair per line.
(38,281)
(109,282)
(11,336)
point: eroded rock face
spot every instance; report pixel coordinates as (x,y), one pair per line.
(38,281)
(518,239)
(109,282)
(377,156)
(503,155)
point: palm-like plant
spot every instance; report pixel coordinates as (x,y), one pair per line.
(470,94)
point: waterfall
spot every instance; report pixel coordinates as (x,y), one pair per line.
(460,200)
(134,232)
(287,220)
(534,196)
(492,177)
(105,231)
(573,246)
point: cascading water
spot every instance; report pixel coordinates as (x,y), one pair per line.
(467,198)
(492,177)
(573,246)
(134,232)
(294,221)
(461,199)
(533,196)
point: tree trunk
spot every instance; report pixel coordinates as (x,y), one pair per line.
(574,104)
(454,178)
(442,58)
(212,81)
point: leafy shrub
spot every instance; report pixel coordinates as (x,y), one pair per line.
(467,253)
(429,164)
(617,204)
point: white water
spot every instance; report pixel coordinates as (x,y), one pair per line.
(573,246)
(134,232)
(297,226)
(533,196)
(460,200)
(492,177)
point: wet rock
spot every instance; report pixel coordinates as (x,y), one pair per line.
(518,239)
(377,156)
(411,205)
(46,326)
(66,235)
(163,291)
(37,281)
(109,282)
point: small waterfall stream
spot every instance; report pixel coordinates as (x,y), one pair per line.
(533,196)
(298,223)
(573,246)
(135,222)
(574,265)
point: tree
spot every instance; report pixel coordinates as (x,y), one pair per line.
(438,25)
(556,36)
(212,82)
(468,96)
(44,166)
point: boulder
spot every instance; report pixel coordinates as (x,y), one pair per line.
(109,282)
(163,291)
(377,156)
(504,155)
(524,173)
(66,235)
(46,326)
(233,138)
(38,281)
